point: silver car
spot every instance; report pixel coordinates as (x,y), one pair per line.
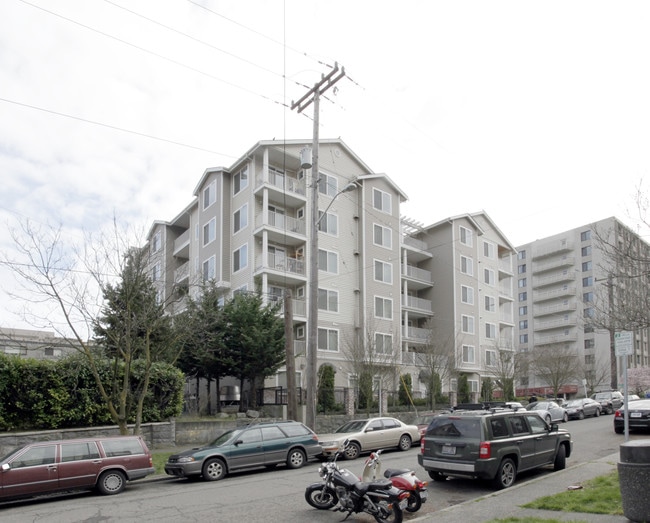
(549,410)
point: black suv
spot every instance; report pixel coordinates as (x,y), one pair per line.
(609,400)
(492,444)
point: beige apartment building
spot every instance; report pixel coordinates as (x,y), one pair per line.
(382,278)
(565,285)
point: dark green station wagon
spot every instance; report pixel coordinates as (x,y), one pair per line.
(491,444)
(264,444)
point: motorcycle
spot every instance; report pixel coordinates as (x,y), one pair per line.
(403,479)
(342,491)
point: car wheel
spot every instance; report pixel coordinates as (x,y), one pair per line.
(597,413)
(296,459)
(560,458)
(437,476)
(619,430)
(404,442)
(581,415)
(565,418)
(506,474)
(352,451)
(610,409)
(214,469)
(111,482)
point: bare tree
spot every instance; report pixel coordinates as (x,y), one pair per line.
(595,375)
(62,287)
(504,365)
(439,361)
(556,365)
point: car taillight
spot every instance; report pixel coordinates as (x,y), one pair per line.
(485,450)
(422,446)
(618,414)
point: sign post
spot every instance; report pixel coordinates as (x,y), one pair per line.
(624,347)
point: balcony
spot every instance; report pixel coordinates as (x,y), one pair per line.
(182,273)
(281,229)
(553,294)
(282,188)
(416,334)
(556,308)
(558,338)
(415,304)
(553,250)
(555,324)
(182,246)
(280,268)
(557,263)
(418,278)
(564,276)
(413,358)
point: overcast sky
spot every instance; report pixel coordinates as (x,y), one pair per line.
(536,112)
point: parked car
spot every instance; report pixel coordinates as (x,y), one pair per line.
(104,464)
(581,408)
(633,397)
(492,444)
(549,410)
(369,434)
(263,444)
(609,400)
(639,418)
(422,422)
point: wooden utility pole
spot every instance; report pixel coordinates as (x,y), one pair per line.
(313,95)
(292,404)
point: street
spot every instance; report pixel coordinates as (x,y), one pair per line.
(261,496)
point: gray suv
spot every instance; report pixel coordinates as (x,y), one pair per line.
(494,445)
(609,400)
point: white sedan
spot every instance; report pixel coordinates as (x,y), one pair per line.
(549,410)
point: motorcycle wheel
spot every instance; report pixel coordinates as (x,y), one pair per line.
(415,502)
(386,515)
(320,498)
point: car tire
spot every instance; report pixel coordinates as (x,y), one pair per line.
(581,415)
(506,474)
(560,458)
(352,451)
(597,413)
(610,409)
(296,459)
(111,482)
(404,442)
(214,469)
(565,418)
(619,430)
(437,476)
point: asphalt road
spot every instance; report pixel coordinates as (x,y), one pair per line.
(262,496)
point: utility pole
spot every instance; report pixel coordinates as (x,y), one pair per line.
(292,404)
(313,95)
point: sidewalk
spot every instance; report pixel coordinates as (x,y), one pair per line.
(507,503)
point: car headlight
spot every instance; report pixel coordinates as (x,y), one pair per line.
(329,443)
(185,459)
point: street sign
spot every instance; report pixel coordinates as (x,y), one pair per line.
(623,343)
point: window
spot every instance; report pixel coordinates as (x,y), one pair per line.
(328,185)
(522,282)
(586,266)
(270,433)
(468,354)
(586,251)
(523,296)
(240,258)
(240,180)
(156,243)
(328,339)
(468,324)
(584,236)
(51,351)
(381,201)
(42,455)
(79,451)
(209,231)
(383,343)
(329,223)
(590,344)
(328,261)
(588,281)
(490,358)
(467,295)
(156,272)
(523,324)
(490,304)
(523,311)
(589,312)
(328,300)
(521,269)
(467,265)
(209,195)
(490,331)
(588,297)
(383,272)
(590,359)
(250,436)
(488,275)
(383,308)
(300,332)
(521,255)
(466,237)
(240,219)
(383,236)
(209,269)
(523,338)
(488,250)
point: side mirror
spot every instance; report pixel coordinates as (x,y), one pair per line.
(554,427)
(238,442)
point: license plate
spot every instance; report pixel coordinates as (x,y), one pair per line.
(404,503)
(635,414)
(423,495)
(449,449)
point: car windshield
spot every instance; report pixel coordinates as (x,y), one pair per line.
(225,438)
(574,403)
(351,426)
(602,396)
(13,451)
(540,405)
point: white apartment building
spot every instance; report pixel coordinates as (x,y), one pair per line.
(382,278)
(563,281)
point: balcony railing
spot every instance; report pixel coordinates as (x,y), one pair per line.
(282,222)
(417,274)
(182,273)
(417,303)
(182,240)
(283,183)
(416,333)
(416,244)
(282,263)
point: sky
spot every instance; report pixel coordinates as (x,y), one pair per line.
(536,112)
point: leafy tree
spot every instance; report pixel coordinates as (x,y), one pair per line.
(326,401)
(254,339)
(463,389)
(487,389)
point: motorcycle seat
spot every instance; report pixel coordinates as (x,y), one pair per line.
(362,487)
(389,473)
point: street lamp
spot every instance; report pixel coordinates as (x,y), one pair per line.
(312,317)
